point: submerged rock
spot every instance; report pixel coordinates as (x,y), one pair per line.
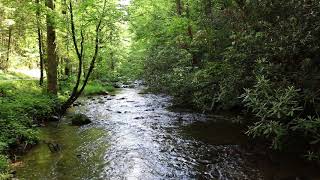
(80,119)
(54,147)
(103,93)
(54,118)
(76,104)
(117,85)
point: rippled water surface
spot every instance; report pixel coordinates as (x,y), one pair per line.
(134,136)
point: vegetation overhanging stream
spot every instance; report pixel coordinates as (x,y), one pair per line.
(134,136)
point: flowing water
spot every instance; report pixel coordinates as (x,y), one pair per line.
(134,136)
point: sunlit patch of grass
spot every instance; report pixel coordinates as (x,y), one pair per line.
(13,76)
(96,88)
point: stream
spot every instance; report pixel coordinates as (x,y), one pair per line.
(135,136)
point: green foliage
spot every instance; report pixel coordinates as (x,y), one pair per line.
(213,52)
(21,103)
(310,126)
(274,130)
(270,102)
(275,106)
(12,76)
(3,163)
(96,88)
(93,87)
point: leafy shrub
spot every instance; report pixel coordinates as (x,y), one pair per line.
(310,128)
(267,101)
(3,163)
(21,105)
(275,107)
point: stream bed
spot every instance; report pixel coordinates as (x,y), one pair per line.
(135,136)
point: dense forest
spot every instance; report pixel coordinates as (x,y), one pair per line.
(259,59)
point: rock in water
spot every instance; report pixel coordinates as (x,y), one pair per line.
(54,147)
(80,119)
(54,118)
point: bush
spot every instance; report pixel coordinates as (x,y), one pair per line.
(21,104)
(275,107)
(3,163)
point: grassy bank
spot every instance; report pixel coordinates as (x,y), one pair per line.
(23,104)
(94,87)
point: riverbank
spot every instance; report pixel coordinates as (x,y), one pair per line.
(25,106)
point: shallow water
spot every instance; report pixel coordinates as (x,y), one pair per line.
(134,136)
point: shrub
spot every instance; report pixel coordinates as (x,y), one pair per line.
(4,164)
(275,107)
(21,104)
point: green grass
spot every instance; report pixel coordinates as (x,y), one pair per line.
(13,76)
(96,87)
(93,88)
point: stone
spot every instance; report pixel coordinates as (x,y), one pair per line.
(80,119)
(54,118)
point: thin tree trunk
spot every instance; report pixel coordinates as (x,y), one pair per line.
(40,43)
(112,61)
(9,46)
(67,67)
(195,60)
(52,55)
(76,94)
(189,30)
(179,7)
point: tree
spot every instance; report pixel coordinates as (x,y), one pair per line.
(51,51)
(40,44)
(76,91)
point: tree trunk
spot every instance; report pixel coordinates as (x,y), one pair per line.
(67,67)
(76,93)
(112,61)
(179,7)
(9,47)
(40,43)
(51,50)
(195,60)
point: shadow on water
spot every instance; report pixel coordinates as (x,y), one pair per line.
(217,132)
(134,136)
(222,132)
